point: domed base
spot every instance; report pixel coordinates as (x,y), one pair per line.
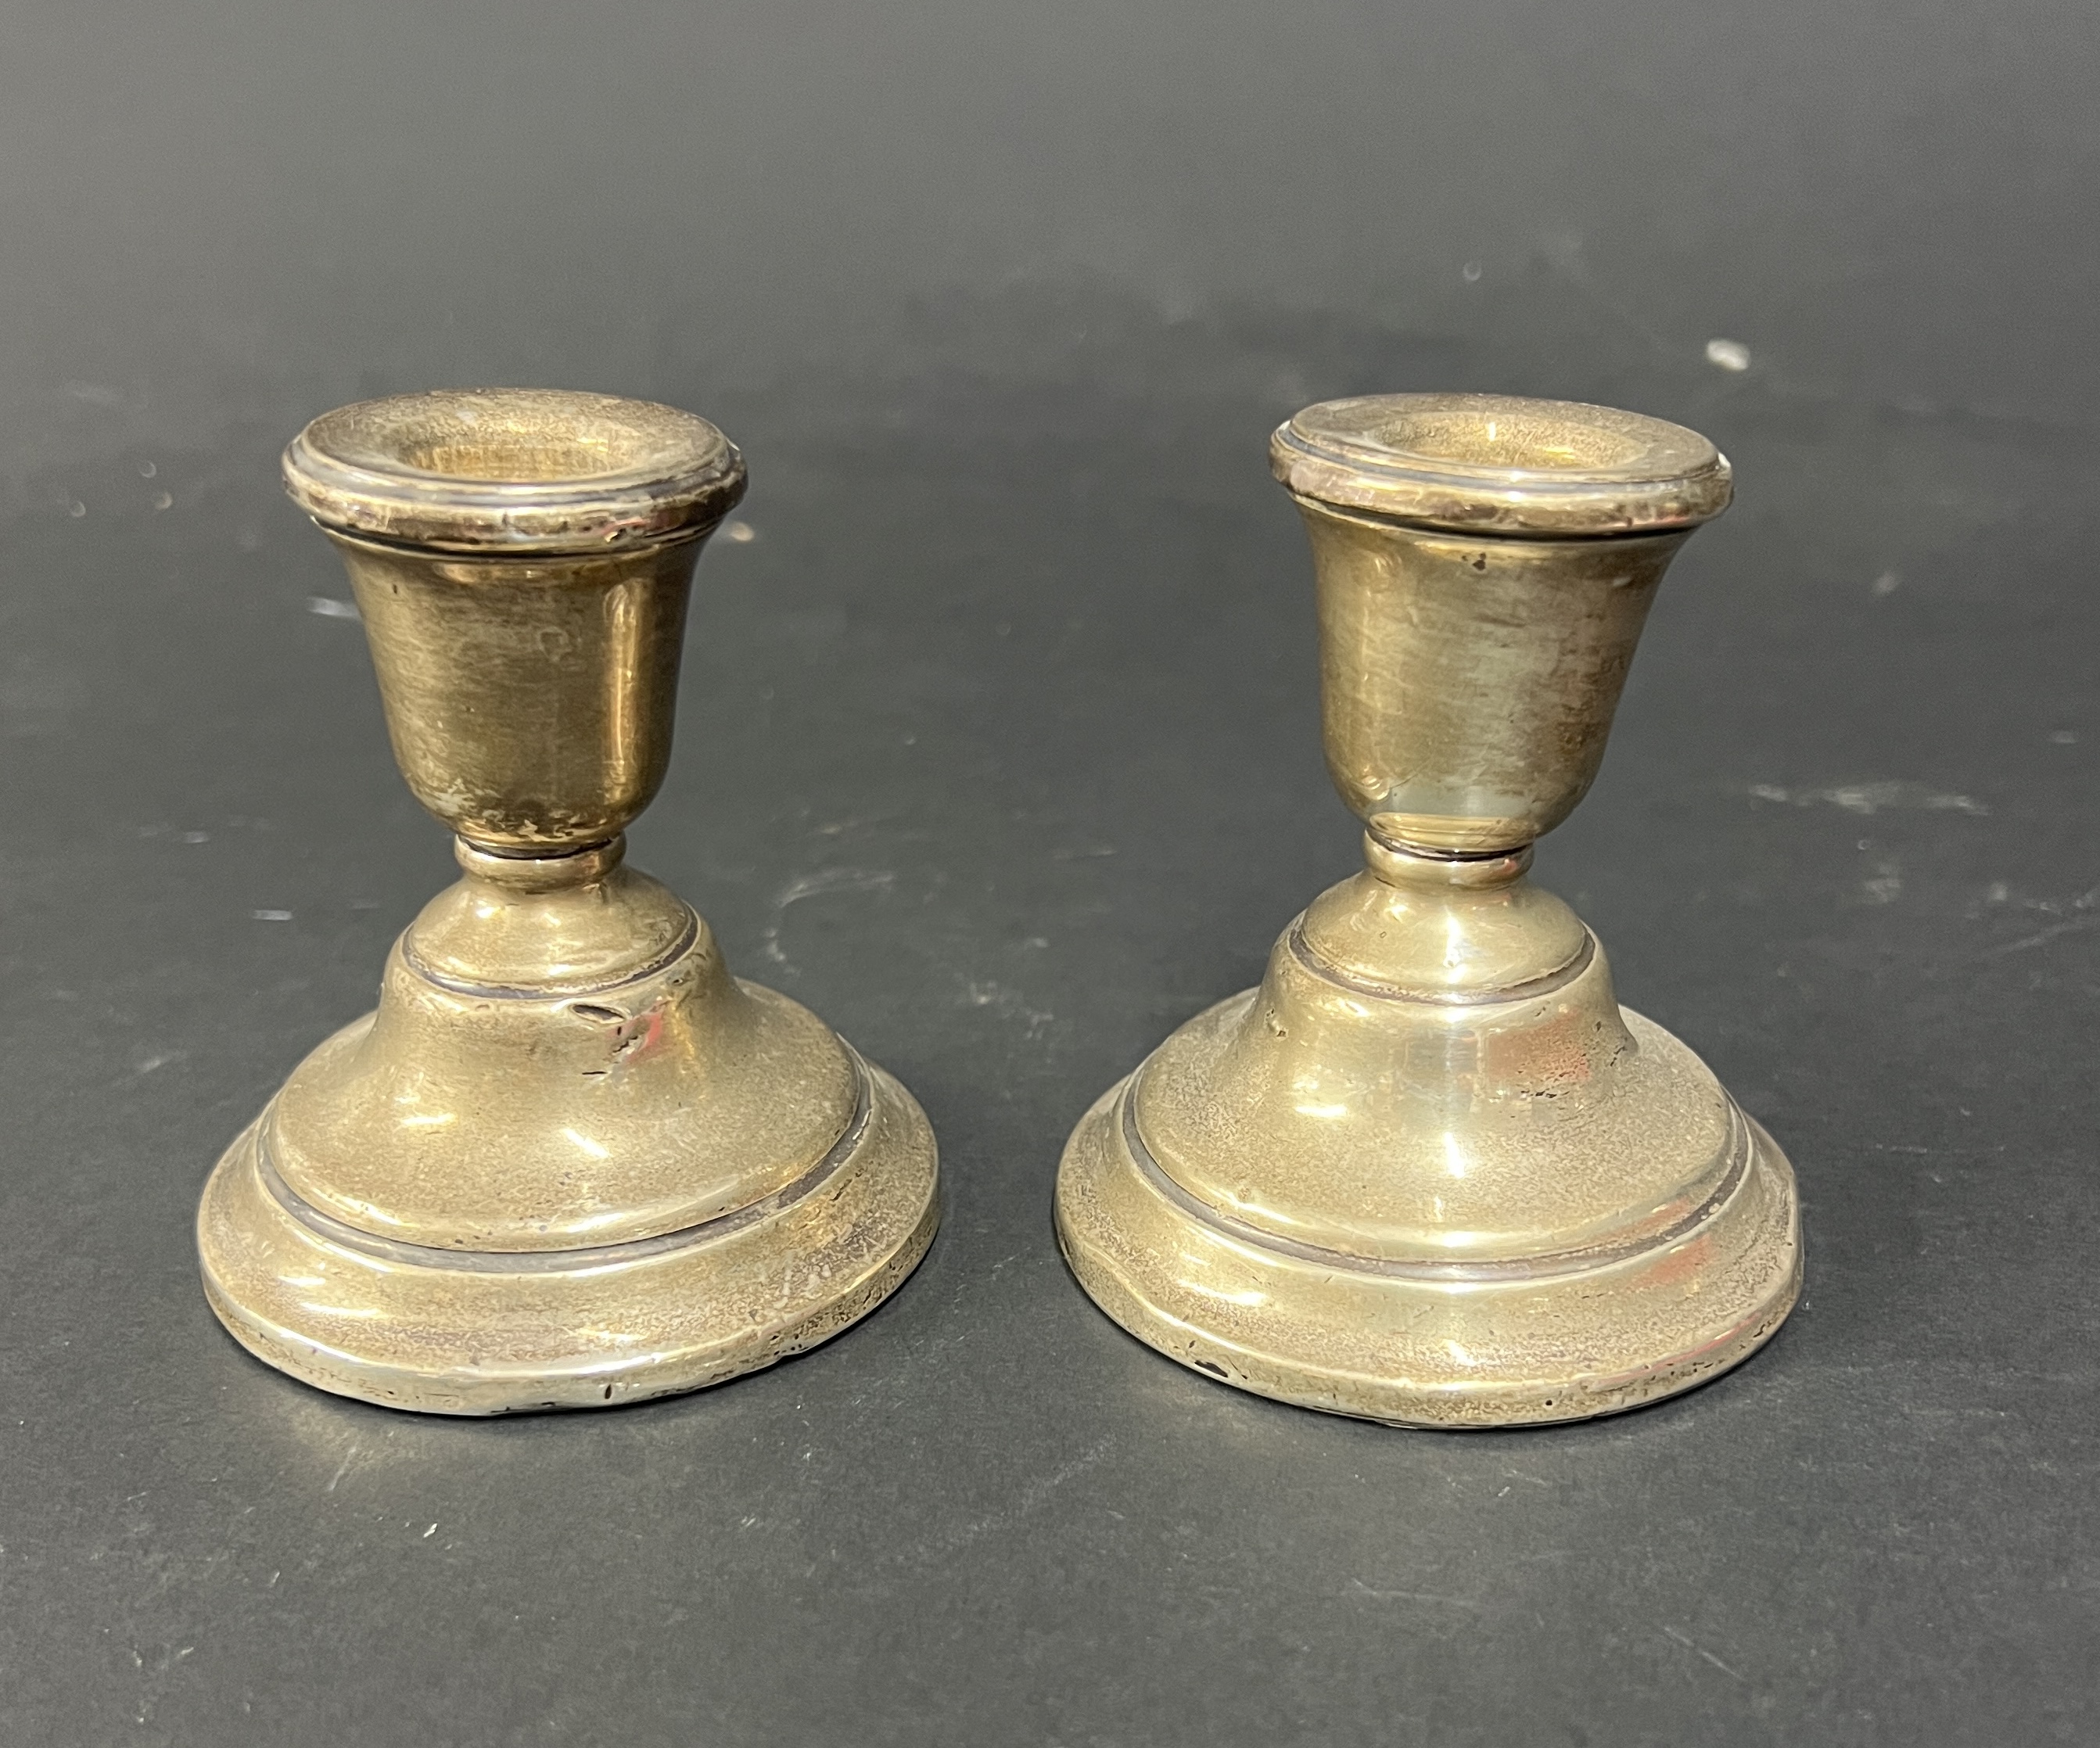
(490,1332)
(1521,1339)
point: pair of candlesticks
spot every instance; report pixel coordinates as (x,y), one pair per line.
(1429,1173)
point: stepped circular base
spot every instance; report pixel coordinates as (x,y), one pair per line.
(1425,1344)
(507,1333)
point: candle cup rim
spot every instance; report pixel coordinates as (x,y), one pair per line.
(1501,464)
(513,471)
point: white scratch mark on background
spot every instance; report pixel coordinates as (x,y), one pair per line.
(1872,797)
(1362,1589)
(1671,1632)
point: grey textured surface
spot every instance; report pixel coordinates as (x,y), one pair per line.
(1002,303)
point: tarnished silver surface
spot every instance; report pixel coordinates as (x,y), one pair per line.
(1430,1171)
(570,1160)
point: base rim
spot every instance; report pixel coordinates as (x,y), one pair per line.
(1377,1348)
(437,1340)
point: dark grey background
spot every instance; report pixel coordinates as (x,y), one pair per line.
(1000,748)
